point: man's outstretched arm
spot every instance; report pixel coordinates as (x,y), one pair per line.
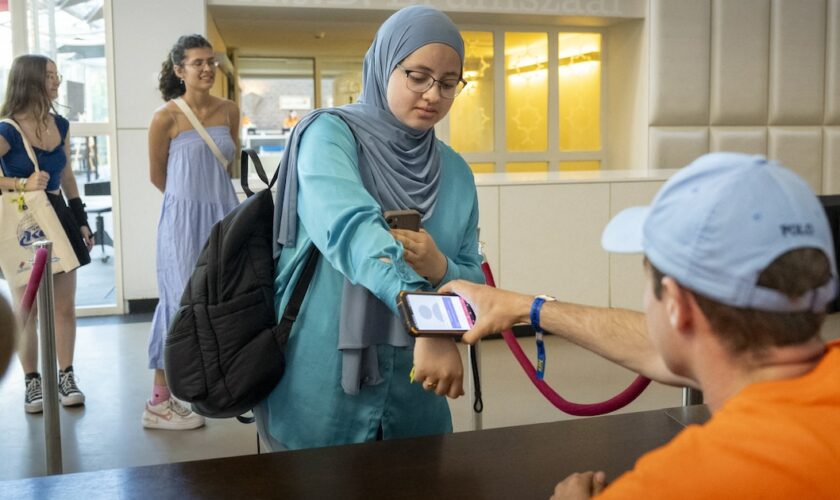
(619,335)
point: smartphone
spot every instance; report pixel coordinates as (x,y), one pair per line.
(403,219)
(431,314)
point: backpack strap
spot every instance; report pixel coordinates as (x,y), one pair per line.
(28,147)
(185,108)
(298,294)
(258,168)
(293,305)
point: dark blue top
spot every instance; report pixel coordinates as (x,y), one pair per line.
(16,162)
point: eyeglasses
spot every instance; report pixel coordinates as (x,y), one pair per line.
(199,64)
(420,82)
(55,77)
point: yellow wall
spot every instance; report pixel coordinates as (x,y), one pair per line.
(526,91)
(471,116)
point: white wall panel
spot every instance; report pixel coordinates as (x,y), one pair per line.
(488,223)
(144,32)
(797,62)
(801,150)
(831,161)
(751,140)
(551,241)
(627,276)
(679,62)
(140,204)
(142,40)
(740,57)
(676,147)
(626,96)
(832,60)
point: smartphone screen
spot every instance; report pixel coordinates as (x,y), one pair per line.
(436,314)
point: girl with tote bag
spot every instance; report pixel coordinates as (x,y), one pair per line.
(192,139)
(34,149)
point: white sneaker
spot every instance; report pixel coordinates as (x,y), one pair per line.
(170,415)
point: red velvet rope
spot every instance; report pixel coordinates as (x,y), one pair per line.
(34,281)
(621,400)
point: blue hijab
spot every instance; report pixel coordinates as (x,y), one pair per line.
(399,167)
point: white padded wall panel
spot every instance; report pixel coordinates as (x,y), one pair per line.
(740,57)
(752,140)
(552,240)
(627,276)
(801,150)
(143,38)
(488,223)
(832,61)
(797,62)
(139,210)
(831,161)
(676,147)
(679,62)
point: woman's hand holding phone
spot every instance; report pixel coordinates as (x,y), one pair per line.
(437,365)
(422,254)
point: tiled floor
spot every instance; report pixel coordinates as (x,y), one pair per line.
(111,364)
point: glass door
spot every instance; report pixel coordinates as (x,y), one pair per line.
(276,92)
(76,36)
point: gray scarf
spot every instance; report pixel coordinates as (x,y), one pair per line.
(399,166)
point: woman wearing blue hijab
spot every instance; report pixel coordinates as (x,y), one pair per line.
(349,356)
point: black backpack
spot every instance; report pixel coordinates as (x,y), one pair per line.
(224,351)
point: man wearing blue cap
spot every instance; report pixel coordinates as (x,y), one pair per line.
(740,264)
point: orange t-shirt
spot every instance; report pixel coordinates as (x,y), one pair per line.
(775,439)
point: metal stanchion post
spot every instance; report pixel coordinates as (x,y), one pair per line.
(477,415)
(692,397)
(46,322)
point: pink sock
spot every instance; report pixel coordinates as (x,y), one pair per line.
(160,393)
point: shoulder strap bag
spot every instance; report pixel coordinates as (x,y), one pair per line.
(181,103)
(24,219)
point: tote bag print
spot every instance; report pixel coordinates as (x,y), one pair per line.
(23,224)
(19,233)
(28,232)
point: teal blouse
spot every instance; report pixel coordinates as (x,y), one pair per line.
(308,408)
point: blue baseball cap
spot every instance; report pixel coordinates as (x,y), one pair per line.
(719,222)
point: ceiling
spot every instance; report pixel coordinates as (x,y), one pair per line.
(341,33)
(296,32)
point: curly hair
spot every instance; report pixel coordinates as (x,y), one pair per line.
(170,85)
(26,89)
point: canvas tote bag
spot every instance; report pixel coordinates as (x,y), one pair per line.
(24,219)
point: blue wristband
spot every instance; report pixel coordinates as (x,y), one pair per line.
(536,306)
(535,313)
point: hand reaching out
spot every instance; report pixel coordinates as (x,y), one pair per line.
(495,309)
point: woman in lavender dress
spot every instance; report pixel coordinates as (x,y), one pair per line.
(197,193)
